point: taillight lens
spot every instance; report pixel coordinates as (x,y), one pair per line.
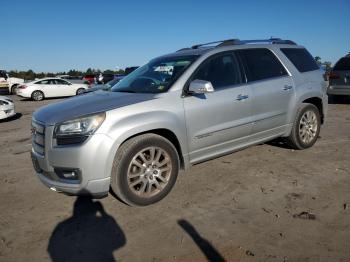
(22,87)
(333,75)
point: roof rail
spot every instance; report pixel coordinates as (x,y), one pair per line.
(268,41)
(241,42)
(232,41)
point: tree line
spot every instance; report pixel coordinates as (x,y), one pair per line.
(31,75)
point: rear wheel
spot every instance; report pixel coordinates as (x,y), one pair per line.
(80,91)
(37,95)
(145,169)
(306,128)
(14,89)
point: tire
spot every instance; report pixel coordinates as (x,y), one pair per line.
(306,127)
(147,181)
(37,95)
(14,89)
(80,91)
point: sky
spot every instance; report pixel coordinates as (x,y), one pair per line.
(54,36)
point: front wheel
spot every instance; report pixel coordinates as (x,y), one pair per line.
(145,169)
(306,128)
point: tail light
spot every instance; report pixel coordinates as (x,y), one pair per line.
(22,87)
(333,75)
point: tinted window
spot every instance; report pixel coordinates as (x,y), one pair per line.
(44,82)
(343,64)
(221,71)
(261,64)
(60,82)
(301,59)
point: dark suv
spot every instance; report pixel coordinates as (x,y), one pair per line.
(339,77)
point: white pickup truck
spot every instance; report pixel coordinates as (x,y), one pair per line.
(9,83)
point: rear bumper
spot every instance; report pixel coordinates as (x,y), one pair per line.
(21,93)
(338,90)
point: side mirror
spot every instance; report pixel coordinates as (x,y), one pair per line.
(200,87)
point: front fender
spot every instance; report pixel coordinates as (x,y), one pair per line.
(124,128)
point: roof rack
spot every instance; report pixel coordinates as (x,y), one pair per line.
(241,42)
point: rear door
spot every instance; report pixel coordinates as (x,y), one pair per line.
(217,122)
(45,86)
(63,88)
(272,89)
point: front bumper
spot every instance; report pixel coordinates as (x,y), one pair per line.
(90,158)
(339,90)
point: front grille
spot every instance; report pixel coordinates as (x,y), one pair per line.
(38,138)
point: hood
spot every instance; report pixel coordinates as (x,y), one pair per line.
(87,104)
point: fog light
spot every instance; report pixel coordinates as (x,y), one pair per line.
(70,174)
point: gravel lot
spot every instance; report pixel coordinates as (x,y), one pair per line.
(241,207)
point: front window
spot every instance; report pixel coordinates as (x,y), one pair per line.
(155,77)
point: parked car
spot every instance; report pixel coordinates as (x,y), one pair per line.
(7,107)
(130,69)
(91,79)
(105,87)
(339,77)
(107,77)
(8,83)
(176,111)
(50,87)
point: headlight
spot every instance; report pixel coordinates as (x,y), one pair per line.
(78,130)
(3,103)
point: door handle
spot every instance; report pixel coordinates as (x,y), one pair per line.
(242,97)
(287,87)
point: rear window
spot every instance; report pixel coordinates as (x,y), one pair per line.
(301,59)
(261,63)
(343,64)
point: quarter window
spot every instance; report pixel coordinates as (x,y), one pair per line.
(301,59)
(261,63)
(222,70)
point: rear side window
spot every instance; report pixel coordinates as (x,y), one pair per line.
(221,70)
(343,64)
(301,59)
(261,63)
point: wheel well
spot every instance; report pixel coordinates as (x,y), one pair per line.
(316,101)
(166,133)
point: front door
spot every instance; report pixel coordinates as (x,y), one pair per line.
(219,121)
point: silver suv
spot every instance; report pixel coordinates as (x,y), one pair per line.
(178,110)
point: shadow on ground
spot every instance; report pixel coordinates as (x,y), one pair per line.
(207,249)
(12,118)
(338,100)
(89,235)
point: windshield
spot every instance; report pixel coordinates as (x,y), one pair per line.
(155,77)
(111,83)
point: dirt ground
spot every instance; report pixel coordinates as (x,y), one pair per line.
(240,207)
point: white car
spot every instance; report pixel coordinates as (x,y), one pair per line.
(7,107)
(50,87)
(9,83)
